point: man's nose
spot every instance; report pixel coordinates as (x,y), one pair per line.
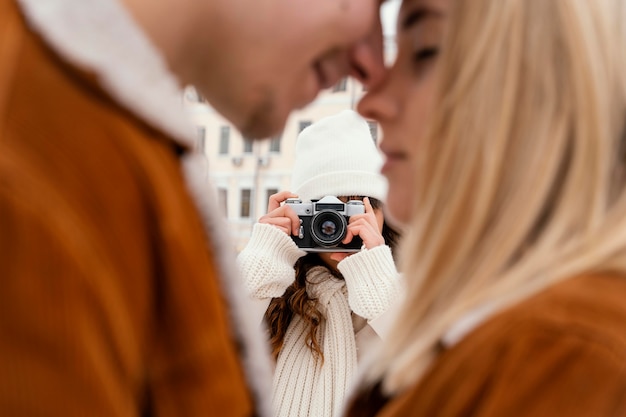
(367,60)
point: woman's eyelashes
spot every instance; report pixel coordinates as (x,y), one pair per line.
(424,54)
(423,58)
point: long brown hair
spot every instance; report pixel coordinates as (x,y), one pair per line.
(296,300)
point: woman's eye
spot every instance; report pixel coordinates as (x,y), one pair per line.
(425,54)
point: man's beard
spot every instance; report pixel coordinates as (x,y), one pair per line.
(262,122)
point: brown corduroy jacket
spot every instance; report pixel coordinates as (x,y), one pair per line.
(559,353)
(109,298)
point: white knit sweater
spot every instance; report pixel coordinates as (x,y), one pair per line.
(302,385)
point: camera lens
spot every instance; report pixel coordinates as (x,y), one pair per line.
(328,228)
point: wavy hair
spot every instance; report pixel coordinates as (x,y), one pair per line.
(296,300)
(520,178)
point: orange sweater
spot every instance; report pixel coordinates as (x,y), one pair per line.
(109,301)
(559,353)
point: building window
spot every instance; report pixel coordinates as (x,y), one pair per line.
(268,194)
(304,124)
(275,144)
(341,85)
(247,145)
(201,138)
(224,139)
(222,200)
(373,130)
(245,203)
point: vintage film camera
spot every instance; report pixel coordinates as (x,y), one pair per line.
(324,223)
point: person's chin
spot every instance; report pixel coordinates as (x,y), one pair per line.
(269,117)
(264,122)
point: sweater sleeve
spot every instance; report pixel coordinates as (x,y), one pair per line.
(372,281)
(267,262)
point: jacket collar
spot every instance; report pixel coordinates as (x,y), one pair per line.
(101,37)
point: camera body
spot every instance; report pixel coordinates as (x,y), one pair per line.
(324,223)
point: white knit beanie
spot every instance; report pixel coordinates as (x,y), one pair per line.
(337,156)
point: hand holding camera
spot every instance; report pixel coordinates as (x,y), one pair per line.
(281,216)
(325,225)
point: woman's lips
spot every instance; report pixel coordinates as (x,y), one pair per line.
(393,159)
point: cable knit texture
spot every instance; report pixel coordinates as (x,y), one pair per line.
(303,384)
(372,281)
(267,261)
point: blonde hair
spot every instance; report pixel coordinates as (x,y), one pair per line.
(520,183)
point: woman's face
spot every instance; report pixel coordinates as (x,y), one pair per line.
(402,104)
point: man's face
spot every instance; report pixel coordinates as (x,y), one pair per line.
(262,59)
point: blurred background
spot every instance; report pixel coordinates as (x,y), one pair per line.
(247,172)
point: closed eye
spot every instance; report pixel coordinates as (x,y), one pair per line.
(425,54)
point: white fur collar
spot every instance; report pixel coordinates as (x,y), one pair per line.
(101,36)
(256,356)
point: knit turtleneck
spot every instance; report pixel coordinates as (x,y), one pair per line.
(304,384)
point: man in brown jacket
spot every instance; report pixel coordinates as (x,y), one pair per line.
(117,290)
